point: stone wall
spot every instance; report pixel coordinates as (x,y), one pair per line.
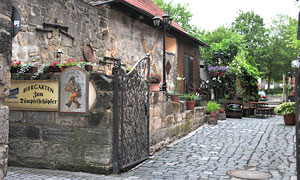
(37,44)
(54,141)
(129,39)
(5,56)
(171,120)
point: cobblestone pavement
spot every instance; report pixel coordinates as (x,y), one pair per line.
(208,153)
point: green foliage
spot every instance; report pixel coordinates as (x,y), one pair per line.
(212,106)
(285,109)
(181,14)
(189,97)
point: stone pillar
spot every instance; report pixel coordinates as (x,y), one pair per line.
(5,57)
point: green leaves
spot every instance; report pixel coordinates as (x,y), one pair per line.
(285,109)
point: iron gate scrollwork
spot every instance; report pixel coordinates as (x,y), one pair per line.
(131,115)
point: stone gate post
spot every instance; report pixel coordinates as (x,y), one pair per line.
(5,56)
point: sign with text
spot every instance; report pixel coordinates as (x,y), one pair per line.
(33,95)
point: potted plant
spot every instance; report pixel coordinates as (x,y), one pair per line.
(155,79)
(18,67)
(52,68)
(214,70)
(190,103)
(222,70)
(288,111)
(15,66)
(221,109)
(212,107)
(175,95)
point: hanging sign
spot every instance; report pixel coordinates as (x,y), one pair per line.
(16,19)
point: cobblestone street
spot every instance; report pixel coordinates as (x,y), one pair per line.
(208,153)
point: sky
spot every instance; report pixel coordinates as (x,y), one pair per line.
(210,14)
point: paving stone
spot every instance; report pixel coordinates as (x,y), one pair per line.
(248,143)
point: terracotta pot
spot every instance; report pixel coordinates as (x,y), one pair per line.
(221,110)
(190,105)
(154,87)
(88,67)
(175,98)
(221,73)
(213,114)
(215,73)
(289,119)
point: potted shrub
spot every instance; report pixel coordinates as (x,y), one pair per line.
(190,103)
(288,111)
(155,79)
(212,107)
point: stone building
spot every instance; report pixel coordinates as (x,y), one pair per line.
(59,30)
(115,29)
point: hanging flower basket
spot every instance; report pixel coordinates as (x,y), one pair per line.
(215,73)
(221,73)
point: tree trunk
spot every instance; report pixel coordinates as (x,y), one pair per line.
(5,58)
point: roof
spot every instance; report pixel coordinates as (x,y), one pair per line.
(150,7)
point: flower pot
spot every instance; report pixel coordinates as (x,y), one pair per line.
(190,105)
(234,108)
(154,87)
(52,69)
(14,69)
(88,67)
(215,73)
(213,114)
(289,119)
(221,110)
(221,73)
(175,98)
(31,70)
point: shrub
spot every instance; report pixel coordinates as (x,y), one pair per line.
(285,109)
(212,106)
(189,97)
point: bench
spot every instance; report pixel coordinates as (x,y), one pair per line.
(265,111)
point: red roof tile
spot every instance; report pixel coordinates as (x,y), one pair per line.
(152,8)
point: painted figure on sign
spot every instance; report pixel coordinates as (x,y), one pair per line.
(75,89)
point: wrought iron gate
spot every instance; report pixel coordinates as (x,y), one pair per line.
(131,115)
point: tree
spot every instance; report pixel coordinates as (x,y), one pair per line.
(251,26)
(181,15)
